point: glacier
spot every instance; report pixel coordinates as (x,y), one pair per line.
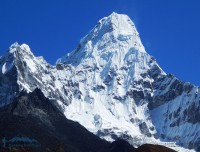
(111,86)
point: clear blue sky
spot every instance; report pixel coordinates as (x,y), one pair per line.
(169,29)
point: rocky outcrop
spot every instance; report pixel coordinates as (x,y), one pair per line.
(39,126)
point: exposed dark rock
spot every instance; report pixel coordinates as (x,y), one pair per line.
(136,95)
(176,113)
(153,148)
(108,80)
(144,129)
(176,88)
(192,114)
(121,146)
(59,67)
(8,85)
(98,88)
(34,116)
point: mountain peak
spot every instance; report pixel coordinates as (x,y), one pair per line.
(13,47)
(111,33)
(15,44)
(115,27)
(120,23)
(119,18)
(16,52)
(20,48)
(110,85)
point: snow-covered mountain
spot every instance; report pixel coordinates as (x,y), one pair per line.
(110,85)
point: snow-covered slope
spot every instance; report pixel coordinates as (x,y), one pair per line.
(110,85)
(111,67)
(175,111)
(21,70)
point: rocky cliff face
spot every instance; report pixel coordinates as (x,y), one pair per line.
(110,85)
(33,122)
(175,110)
(21,70)
(33,116)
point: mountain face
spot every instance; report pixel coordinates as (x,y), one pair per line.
(26,72)
(32,116)
(111,86)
